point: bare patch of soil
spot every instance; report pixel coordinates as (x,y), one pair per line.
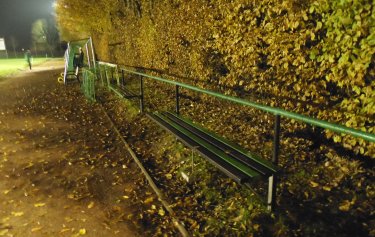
(62,170)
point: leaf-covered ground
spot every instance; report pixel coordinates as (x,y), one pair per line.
(62,170)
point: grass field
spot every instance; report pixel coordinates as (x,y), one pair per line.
(10,66)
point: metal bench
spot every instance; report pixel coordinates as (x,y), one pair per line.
(71,76)
(123,91)
(237,163)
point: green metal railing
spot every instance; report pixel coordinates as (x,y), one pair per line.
(106,73)
(276,111)
(88,84)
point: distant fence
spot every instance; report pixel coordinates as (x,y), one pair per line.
(88,84)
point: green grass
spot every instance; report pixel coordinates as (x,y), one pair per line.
(10,66)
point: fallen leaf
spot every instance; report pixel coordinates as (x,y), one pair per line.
(39,204)
(168,176)
(82,231)
(125,197)
(17,213)
(36,229)
(151,211)
(313,184)
(3,232)
(29,165)
(71,196)
(161,212)
(344,169)
(91,205)
(6,192)
(68,219)
(64,230)
(149,200)
(326,188)
(345,205)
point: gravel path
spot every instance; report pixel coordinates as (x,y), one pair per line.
(61,173)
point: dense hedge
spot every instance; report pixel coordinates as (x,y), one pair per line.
(314,56)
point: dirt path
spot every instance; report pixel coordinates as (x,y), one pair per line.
(61,173)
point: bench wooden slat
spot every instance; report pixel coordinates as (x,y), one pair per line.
(212,154)
(202,143)
(263,166)
(222,154)
(71,76)
(124,91)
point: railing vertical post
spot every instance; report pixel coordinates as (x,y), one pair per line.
(93,53)
(118,81)
(122,78)
(272,180)
(88,56)
(100,70)
(141,96)
(112,75)
(177,100)
(107,76)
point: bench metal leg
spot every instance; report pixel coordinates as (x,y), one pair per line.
(141,96)
(271,193)
(112,74)
(177,100)
(122,78)
(107,76)
(275,159)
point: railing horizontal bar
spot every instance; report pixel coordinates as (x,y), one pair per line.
(107,64)
(274,110)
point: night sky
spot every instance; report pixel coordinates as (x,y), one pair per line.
(17,16)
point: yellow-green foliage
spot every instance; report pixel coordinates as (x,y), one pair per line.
(312,56)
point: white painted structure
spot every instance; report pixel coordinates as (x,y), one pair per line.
(3,46)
